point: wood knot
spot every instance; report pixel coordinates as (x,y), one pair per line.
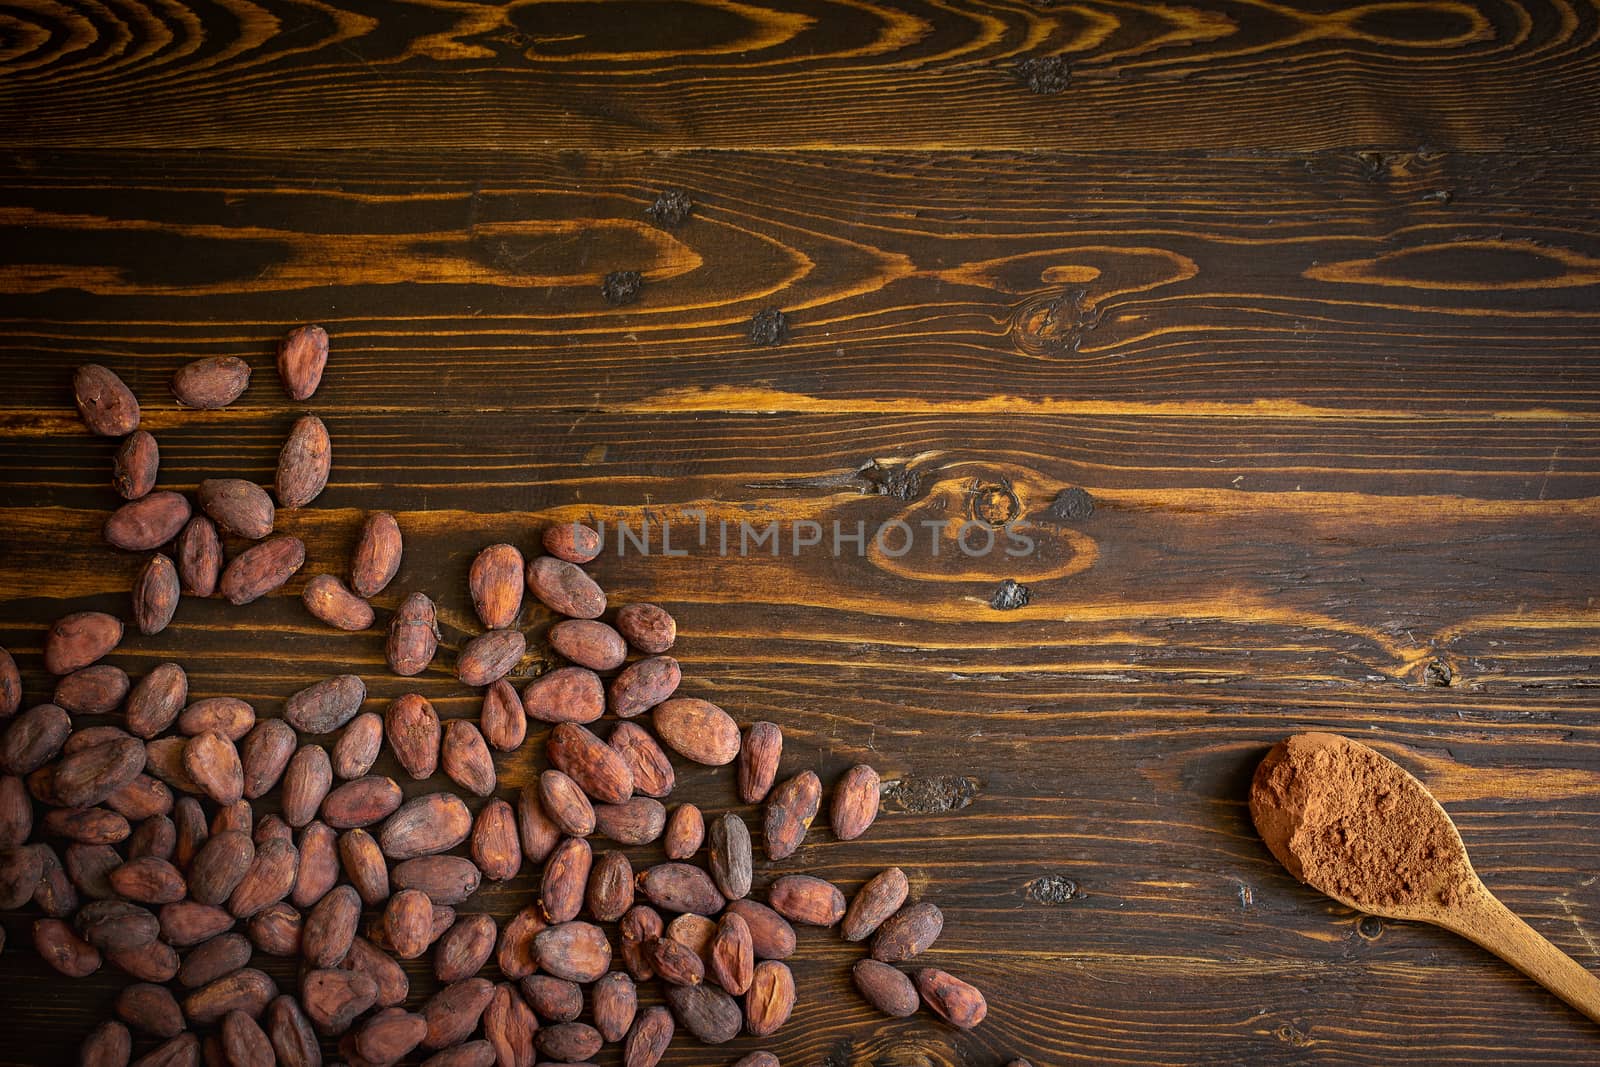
(622,287)
(884,479)
(1055,324)
(1052,889)
(995,503)
(928,796)
(1369,927)
(1044,75)
(769,327)
(1010,596)
(671,208)
(1071,505)
(1438,673)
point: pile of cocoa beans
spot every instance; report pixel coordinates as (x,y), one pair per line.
(168,870)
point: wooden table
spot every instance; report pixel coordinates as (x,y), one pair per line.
(1276,328)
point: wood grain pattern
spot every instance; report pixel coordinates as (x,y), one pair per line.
(247,74)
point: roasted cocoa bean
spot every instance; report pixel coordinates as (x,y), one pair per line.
(269,879)
(77,640)
(675,962)
(885,988)
(465,758)
(413,729)
(244,1042)
(445,879)
(468,1054)
(188,922)
(495,845)
(164,759)
(156,962)
(324,707)
(855,802)
(706,1012)
(647,627)
(565,589)
(209,961)
(610,891)
(425,825)
(332,602)
(452,1014)
(276,930)
(652,771)
(147,523)
(502,720)
(616,1001)
(555,1000)
(638,926)
(732,954)
(89,826)
(770,999)
(495,581)
(698,730)
(390,978)
(303,463)
(408,922)
(637,821)
(237,506)
(213,763)
(567,694)
(199,556)
(954,1001)
(643,685)
(55,895)
(105,403)
(358,745)
(180,1051)
(306,781)
(509,1024)
(648,1038)
(211,383)
(685,833)
(63,949)
(290,1032)
(229,716)
(874,902)
(377,555)
(108,1045)
(86,778)
(490,656)
(364,865)
(680,887)
(908,932)
(34,738)
(588,643)
(96,690)
(790,809)
(302,357)
(16,812)
(330,927)
(334,998)
(413,636)
(730,856)
(566,804)
(148,880)
(693,932)
(260,569)
(464,948)
(804,899)
(247,990)
(536,830)
(572,541)
(515,954)
(770,933)
(136,465)
(597,768)
(577,951)
(569,1042)
(189,819)
(149,1008)
(10,685)
(565,877)
(155,594)
(265,754)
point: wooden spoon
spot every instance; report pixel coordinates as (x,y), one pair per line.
(1350,822)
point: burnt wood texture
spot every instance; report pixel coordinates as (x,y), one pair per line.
(1276,325)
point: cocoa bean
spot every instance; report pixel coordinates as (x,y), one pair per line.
(271,827)
(685,833)
(730,856)
(874,902)
(156,962)
(855,802)
(647,627)
(572,541)
(213,763)
(237,506)
(108,1045)
(908,932)
(694,932)
(770,999)
(90,826)
(489,657)
(87,737)
(698,730)
(706,1012)
(147,523)
(303,463)
(34,738)
(42,785)
(10,685)
(732,952)
(229,716)
(565,589)
(637,821)
(757,1059)
(63,949)
(390,978)
(199,556)
(180,1051)
(790,809)
(105,402)
(330,927)
(425,825)
(16,812)
(265,754)
(509,1024)
(675,962)
(190,822)
(377,555)
(364,865)
(306,781)
(211,383)
(610,891)
(270,878)
(468,1054)
(555,1000)
(164,759)
(495,845)
(954,1001)
(616,1001)
(276,930)
(55,894)
(141,797)
(357,747)
(536,830)
(566,804)
(89,867)
(148,880)
(77,640)
(503,722)
(149,1008)
(413,636)
(444,879)
(86,778)
(260,569)
(567,694)
(334,998)
(244,1042)
(770,933)
(324,707)
(495,581)
(577,951)
(648,1038)
(135,466)
(680,887)
(302,357)
(464,948)
(452,1014)
(569,1042)
(155,594)
(515,954)
(588,643)
(565,877)
(332,602)
(597,768)
(638,926)
(803,899)
(465,758)
(652,771)
(413,729)
(290,1032)
(885,988)
(643,685)
(188,922)
(209,961)
(389,1035)
(95,690)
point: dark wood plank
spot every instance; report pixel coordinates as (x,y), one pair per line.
(1431,286)
(802,74)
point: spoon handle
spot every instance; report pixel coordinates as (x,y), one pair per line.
(1493,925)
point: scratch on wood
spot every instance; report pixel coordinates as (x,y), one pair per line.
(893,478)
(928,796)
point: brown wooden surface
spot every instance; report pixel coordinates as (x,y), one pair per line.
(1305,298)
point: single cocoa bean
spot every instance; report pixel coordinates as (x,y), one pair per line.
(413,729)
(465,948)
(156,962)
(324,707)
(306,781)
(407,921)
(332,602)
(597,768)
(105,403)
(686,832)
(265,754)
(199,556)
(610,891)
(885,988)
(855,802)
(637,821)
(96,690)
(577,951)
(413,636)
(495,845)
(212,959)
(362,802)
(652,771)
(647,627)
(115,924)
(276,930)
(804,899)
(954,1001)
(730,856)
(164,759)
(680,887)
(142,797)
(468,1054)
(229,716)
(503,722)
(732,954)
(706,1012)
(495,581)
(135,466)
(10,685)
(16,812)
(188,922)
(465,758)
(879,898)
(357,747)
(908,932)
(509,1024)
(648,1038)
(189,819)
(180,1051)
(34,738)
(616,1001)
(555,1000)
(675,962)
(572,541)
(566,804)
(330,927)
(770,999)
(150,1008)
(390,978)
(489,657)
(261,569)
(444,879)
(63,949)
(237,506)
(364,865)
(55,895)
(213,763)
(270,878)
(377,555)
(319,864)
(537,831)
(515,954)
(770,933)
(302,357)
(698,730)
(86,778)
(290,1032)
(569,1042)
(567,694)
(643,685)
(790,809)
(244,1042)
(334,998)
(108,1045)
(588,643)
(270,828)
(693,932)
(155,594)
(452,1014)
(303,463)
(211,383)
(148,880)
(77,640)
(638,926)
(147,523)
(425,825)
(89,826)
(565,876)
(565,589)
